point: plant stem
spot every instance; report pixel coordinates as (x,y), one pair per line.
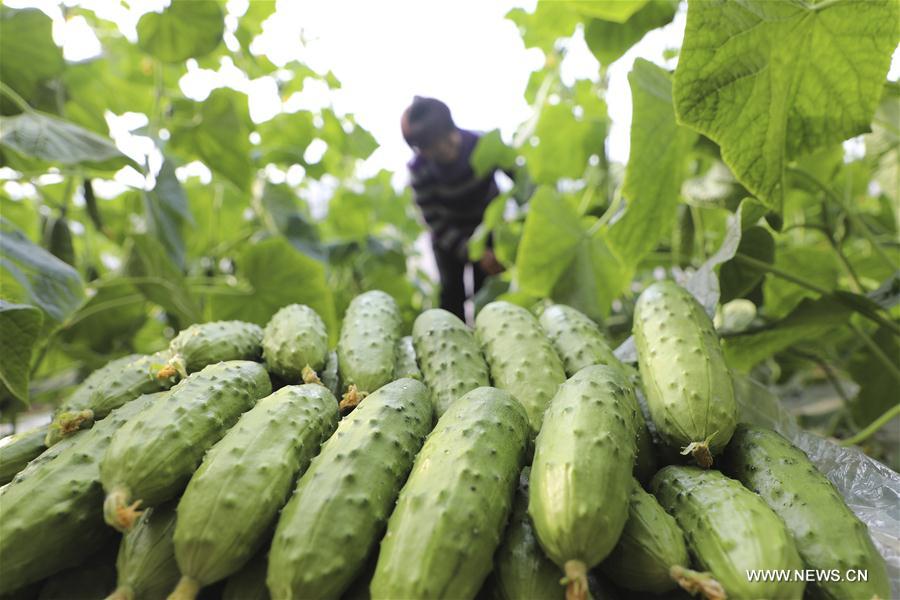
(16,98)
(872,427)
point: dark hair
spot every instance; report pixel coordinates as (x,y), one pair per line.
(424,121)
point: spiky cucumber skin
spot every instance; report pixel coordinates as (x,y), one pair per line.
(295,337)
(688,386)
(450,515)
(577,339)
(50,516)
(340,506)
(583,458)
(204,344)
(250,582)
(145,564)
(80,398)
(729,530)
(827,533)
(521,569)
(218,530)
(651,543)
(406,365)
(93,579)
(450,358)
(329,376)
(367,342)
(152,457)
(20,449)
(522,360)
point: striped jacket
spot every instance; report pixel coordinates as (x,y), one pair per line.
(452,199)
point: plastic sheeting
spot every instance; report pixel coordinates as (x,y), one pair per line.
(871,489)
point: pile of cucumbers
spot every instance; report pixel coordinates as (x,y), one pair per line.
(517,460)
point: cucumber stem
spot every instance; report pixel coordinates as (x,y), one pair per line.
(187,589)
(576,580)
(309,375)
(700,452)
(117,512)
(695,581)
(351,399)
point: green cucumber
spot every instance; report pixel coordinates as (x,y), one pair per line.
(295,344)
(152,457)
(122,385)
(330,378)
(581,476)
(450,515)
(204,344)
(689,390)
(91,580)
(250,582)
(827,533)
(451,360)
(577,339)
(18,450)
(651,555)
(50,517)
(76,411)
(145,565)
(218,530)
(367,345)
(406,365)
(521,569)
(729,530)
(521,358)
(341,504)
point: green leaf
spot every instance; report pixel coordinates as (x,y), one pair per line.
(770,81)
(609,39)
(286,215)
(593,279)
(549,22)
(167,213)
(816,265)
(560,149)
(737,279)
(107,322)
(31,275)
(877,385)
(217,132)
(50,139)
(811,320)
(656,166)
(20,326)
(716,187)
(618,11)
(160,280)
(277,275)
(491,153)
(703,283)
(186,29)
(30,55)
(552,234)
(250,23)
(883,144)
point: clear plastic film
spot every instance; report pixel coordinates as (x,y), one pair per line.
(871,490)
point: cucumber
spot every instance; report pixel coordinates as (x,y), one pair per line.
(521,569)
(451,360)
(367,345)
(50,517)
(341,504)
(729,530)
(151,458)
(651,555)
(295,344)
(250,582)
(91,580)
(146,564)
(120,386)
(688,386)
(827,533)
(450,515)
(577,339)
(330,378)
(522,360)
(581,475)
(204,344)
(218,529)
(406,365)
(18,450)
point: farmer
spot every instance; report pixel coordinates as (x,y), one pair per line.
(451,196)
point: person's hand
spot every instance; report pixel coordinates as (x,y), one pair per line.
(489,263)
